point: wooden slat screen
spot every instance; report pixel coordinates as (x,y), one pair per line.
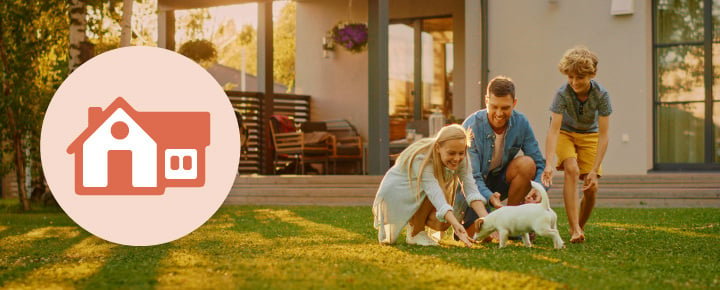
(251,106)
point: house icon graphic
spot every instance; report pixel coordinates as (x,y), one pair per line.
(126,152)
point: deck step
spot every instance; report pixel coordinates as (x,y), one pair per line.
(651,190)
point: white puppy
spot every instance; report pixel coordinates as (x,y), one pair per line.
(522,219)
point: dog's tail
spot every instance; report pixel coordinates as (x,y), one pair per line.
(543,193)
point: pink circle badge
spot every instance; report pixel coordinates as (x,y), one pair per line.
(140,146)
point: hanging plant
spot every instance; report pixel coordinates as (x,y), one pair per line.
(350,36)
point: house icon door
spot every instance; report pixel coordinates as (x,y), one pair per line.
(120,151)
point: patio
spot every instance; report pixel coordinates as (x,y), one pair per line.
(654,190)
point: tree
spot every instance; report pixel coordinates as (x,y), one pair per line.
(126,24)
(284,43)
(194,23)
(680,67)
(78,25)
(244,43)
(33,38)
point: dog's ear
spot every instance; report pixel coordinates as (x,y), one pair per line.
(478,224)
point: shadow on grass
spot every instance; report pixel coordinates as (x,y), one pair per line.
(128,267)
(357,219)
(259,221)
(31,247)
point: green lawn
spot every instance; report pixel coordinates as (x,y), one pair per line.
(334,247)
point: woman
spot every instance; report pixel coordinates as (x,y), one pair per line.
(419,189)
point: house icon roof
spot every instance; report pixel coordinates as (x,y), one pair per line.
(167,129)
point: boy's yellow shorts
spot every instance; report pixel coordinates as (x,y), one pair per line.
(581,146)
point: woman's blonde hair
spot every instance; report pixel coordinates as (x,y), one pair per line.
(578,60)
(427,147)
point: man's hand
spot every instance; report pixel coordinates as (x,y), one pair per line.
(495,200)
(547,175)
(533,196)
(591,180)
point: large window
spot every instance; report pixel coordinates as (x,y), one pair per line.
(687,97)
(420,70)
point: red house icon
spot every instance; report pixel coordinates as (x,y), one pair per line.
(126,152)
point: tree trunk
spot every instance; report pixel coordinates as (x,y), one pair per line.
(78,24)
(126,24)
(19,161)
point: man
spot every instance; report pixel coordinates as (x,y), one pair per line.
(499,134)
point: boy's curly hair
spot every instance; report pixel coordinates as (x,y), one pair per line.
(578,60)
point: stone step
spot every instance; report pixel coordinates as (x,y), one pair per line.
(652,190)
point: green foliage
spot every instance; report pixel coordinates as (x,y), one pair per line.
(194,23)
(681,68)
(103,23)
(245,43)
(33,56)
(103,19)
(283,46)
(336,247)
(201,51)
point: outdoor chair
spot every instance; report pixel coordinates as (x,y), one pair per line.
(347,145)
(298,146)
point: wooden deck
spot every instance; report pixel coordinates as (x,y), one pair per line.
(633,191)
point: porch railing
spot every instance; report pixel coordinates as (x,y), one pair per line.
(252,107)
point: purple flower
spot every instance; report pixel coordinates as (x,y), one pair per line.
(352,36)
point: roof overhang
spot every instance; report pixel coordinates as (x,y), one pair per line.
(191,4)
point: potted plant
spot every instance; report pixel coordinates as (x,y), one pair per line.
(350,36)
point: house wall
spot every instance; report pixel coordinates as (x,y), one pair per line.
(339,84)
(527,38)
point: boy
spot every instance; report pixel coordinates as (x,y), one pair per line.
(579,135)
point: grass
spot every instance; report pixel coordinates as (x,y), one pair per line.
(336,247)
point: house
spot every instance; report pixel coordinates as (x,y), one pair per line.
(127,152)
(658,60)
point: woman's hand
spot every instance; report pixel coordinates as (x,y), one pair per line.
(462,235)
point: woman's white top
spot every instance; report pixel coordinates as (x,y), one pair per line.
(396,200)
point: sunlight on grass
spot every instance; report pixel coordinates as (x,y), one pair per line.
(77,263)
(675,231)
(557,261)
(259,247)
(316,231)
(187,268)
(18,241)
(313,255)
(339,256)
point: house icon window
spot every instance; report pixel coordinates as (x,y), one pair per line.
(180,164)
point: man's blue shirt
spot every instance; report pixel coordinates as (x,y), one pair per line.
(518,136)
